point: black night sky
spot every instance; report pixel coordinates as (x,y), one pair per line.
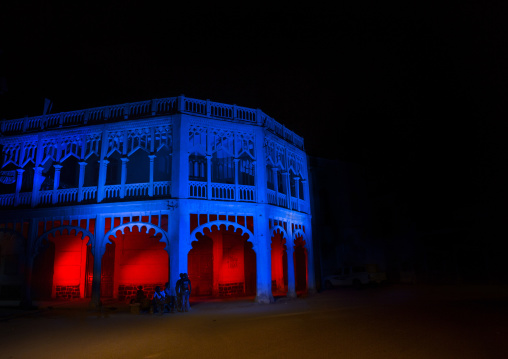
(414,93)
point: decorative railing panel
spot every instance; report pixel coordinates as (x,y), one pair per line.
(247,193)
(281,200)
(89,193)
(194,106)
(294,203)
(271,196)
(161,188)
(67,195)
(136,189)
(221,110)
(112,191)
(25,198)
(223,191)
(197,189)
(45,197)
(7,199)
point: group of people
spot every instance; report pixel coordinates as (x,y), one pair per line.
(163,301)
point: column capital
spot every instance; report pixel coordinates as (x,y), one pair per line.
(124,159)
(151,157)
(82,163)
(58,167)
(20,171)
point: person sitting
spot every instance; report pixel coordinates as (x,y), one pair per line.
(158,300)
(140,295)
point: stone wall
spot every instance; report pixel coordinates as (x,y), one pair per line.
(67,291)
(231,289)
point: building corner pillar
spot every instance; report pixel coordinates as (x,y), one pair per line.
(263,261)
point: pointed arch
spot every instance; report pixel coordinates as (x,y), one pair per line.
(218,224)
(139,225)
(62,229)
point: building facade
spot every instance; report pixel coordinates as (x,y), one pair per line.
(97,202)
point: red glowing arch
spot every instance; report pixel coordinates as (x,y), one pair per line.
(218,224)
(139,225)
(62,229)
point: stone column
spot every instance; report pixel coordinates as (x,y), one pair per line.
(209,176)
(124,176)
(263,260)
(102,179)
(19,181)
(297,192)
(98,249)
(82,165)
(287,188)
(26,300)
(236,161)
(150,186)
(38,179)
(306,197)
(178,229)
(56,182)
(180,158)
(311,281)
(291,269)
(275,185)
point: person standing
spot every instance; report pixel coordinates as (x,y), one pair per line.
(185,285)
(158,300)
(169,300)
(179,293)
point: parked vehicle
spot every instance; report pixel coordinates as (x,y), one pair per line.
(355,276)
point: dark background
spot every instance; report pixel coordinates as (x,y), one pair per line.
(415,94)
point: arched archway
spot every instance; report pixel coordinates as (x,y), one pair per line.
(279,261)
(135,254)
(300,257)
(59,269)
(222,260)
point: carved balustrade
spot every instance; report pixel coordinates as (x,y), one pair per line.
(154,107)
(45,197)
(89,193)
(246,193)
(7,199)
(67,195)
(271,196)
(25,198)
(223,191)
(281,200)
(112,191)
(136,190)
(197,189)
(294,203)
(161,188)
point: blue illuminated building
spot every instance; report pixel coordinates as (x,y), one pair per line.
(154,189)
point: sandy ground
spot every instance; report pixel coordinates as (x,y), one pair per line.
(388,322)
